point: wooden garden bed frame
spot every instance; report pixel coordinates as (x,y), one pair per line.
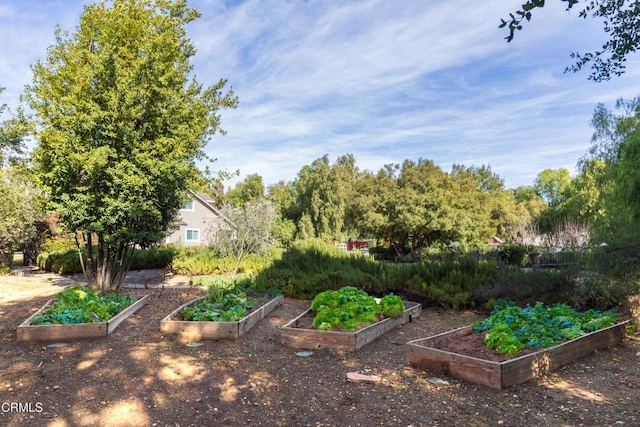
(62,332)
(311,339)
(423,353)
(195,330)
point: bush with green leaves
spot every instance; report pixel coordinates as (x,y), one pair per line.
(83,305)
(67,261)
(512,329)
(528,287)
(204,260)
(350,308)
(515,254)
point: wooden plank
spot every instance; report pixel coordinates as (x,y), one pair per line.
(419,354)
(422,353)
(312,339)
(372,332)
(195,331)
(293,336)
(522,369)
(59,332)
(113,323)
(258,314)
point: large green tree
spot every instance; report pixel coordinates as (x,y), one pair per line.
(620,20)
(250,189)
(409,205)
(18,211)
(616,152)
(11,132)
(119,126)
(321,191)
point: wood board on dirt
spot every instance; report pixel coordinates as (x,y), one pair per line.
(423,353)
(293,335)
(69,332)
(196,330)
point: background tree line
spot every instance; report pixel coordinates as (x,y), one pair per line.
(416,204)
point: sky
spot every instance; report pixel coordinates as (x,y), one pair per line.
(384,81)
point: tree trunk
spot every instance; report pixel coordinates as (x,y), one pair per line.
(105,266)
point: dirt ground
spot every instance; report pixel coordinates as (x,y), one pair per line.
(138,377)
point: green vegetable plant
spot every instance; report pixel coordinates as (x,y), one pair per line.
(220,305)
(83,305)
(349,308)
(512,329)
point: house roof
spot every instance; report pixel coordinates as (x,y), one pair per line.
(207,201)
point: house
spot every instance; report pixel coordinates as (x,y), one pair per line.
(196,220)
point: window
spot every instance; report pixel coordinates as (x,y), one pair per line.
(193,235)
(189,206)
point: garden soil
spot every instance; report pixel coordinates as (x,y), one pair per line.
(139,377)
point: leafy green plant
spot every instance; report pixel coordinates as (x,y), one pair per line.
(220,305)
(392,305)
(83,305)
(349,308)
(512,329)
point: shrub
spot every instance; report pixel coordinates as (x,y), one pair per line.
(517,255)
(528,287)
(313,266)
(66,261)
(203,260)
(57,243)
(601,292)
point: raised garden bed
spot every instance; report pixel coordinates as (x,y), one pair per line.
(299,333)
(27,331)
(196,330)
(424,353)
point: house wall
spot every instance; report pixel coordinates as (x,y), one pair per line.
(192,223)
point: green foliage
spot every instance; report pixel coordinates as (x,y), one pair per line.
(451,283)
(17,212)
(515,254)
(222,282)
(392,306)
(55,244)
(202,260)
(614,204)
(154,257)
(66,261)
(512,328)
(63,261)
(603,292)
(321,193)
(528,287)
(251,232)
(82,305)
(350,308)
(313,266)
(220,305)
(619,19)
(249,190)
(120,124)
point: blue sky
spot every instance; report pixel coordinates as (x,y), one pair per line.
(385,81)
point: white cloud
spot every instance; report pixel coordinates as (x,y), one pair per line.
(384,81)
